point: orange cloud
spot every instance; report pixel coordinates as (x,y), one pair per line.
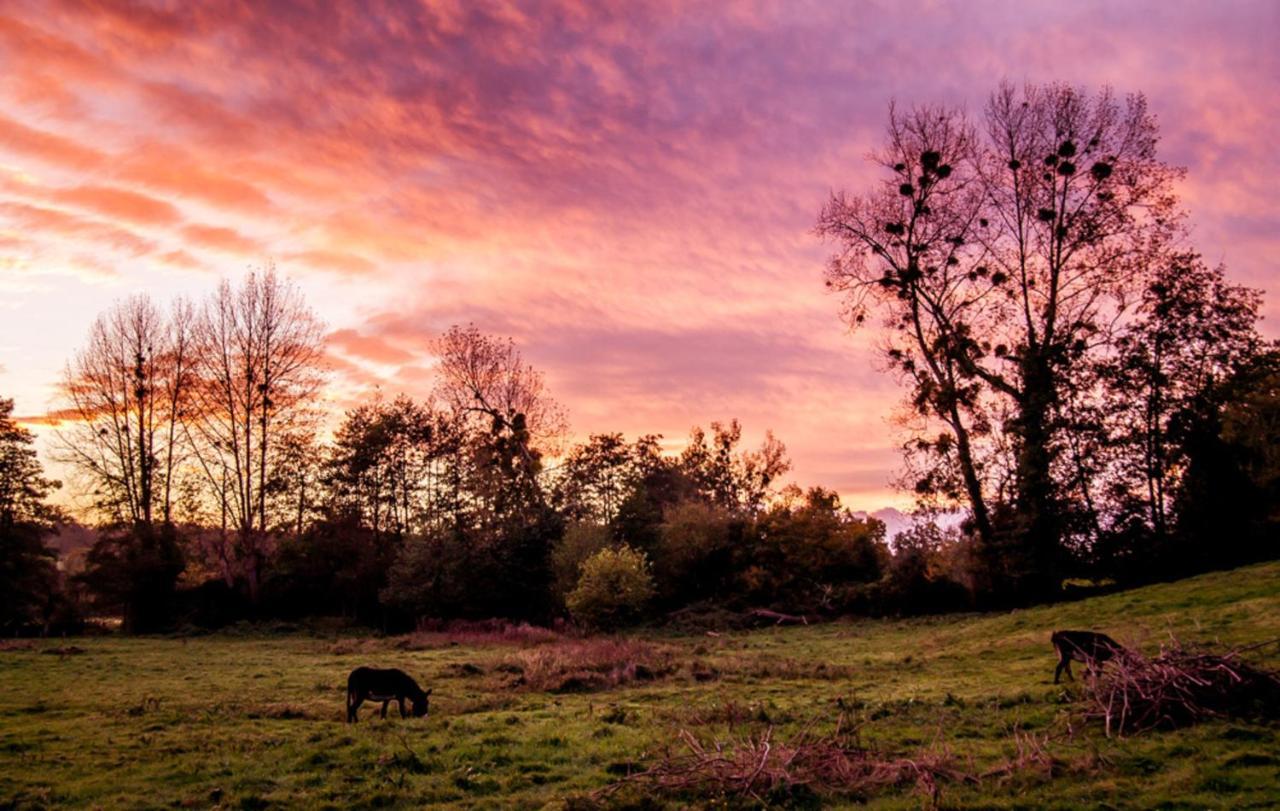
(221,239)
(47,147)
(172,171)
(626,188)
(53,221)
(119,204)
(368,347)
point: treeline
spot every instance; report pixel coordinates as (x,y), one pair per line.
(194,433)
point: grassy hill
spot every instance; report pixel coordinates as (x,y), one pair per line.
(525,719)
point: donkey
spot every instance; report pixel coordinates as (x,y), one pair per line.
(386,686)
(1088,647)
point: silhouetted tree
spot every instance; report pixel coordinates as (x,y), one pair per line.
(999,257)
(28,576)
(1192,332)
(134,570)
(258,369)
(1227,507)
(125,396)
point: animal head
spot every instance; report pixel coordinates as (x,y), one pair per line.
(421,704)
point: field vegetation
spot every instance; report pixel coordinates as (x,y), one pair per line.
(252,717)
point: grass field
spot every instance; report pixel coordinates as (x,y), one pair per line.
(256,721)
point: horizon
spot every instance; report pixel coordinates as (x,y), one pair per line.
(628,193)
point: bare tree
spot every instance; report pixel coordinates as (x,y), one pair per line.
(125,394)
(489,387)
(259,364)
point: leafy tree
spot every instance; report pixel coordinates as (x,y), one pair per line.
(134,570)
(694,555)
(338,566)
(1228,505)
(595,477)
(804,551)
(734,480)
(1193,329)
(28,576)
(581,541)
(385,464)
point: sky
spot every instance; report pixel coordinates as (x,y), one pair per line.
(628,189)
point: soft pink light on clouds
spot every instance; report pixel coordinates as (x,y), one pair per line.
(625,188)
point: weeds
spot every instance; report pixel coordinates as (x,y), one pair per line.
(765,769)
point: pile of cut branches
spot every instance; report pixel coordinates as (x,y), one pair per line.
(762,768)
(1182,685)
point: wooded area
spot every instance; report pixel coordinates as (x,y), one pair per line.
(1092,394)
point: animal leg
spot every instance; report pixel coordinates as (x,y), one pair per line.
(403,714)
(384,708)
(353,705)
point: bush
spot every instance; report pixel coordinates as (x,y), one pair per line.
(614,587)
(580,542)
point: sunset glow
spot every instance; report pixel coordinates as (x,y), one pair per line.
(628,190)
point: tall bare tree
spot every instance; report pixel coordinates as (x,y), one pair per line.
(259,368)
(125,395)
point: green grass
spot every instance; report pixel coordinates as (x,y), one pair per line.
(257,721)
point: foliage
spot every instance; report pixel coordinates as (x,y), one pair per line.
(28,578)
(337,566)
(804,551)
(693,556)
(613,590)
(581,541)
(134,571)
(930,571)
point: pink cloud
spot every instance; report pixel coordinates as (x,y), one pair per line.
(626,188)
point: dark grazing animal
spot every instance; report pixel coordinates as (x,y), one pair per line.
(1084,646)
(386,686)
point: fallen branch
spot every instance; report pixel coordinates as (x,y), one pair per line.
(778,617)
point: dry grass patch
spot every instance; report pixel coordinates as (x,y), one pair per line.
(768,770)
(586,665)
(477,634)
